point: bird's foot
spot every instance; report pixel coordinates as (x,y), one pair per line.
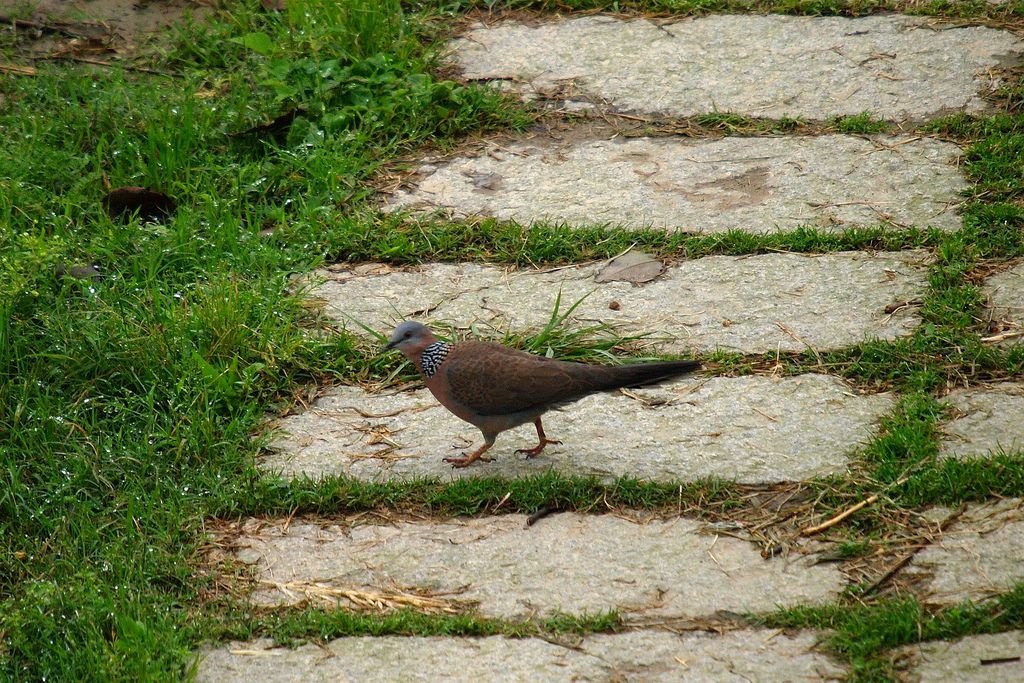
(531,452)
(466,460)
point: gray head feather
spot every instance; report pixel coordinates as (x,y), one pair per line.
(408,331)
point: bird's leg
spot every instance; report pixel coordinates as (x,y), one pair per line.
(542,441)
(478,454)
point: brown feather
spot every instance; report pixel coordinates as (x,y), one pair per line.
(491,379)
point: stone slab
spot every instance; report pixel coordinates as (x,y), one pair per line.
(989,419)
(746,655)
(749,304)
(977,557)
(770,66)
(1005,292)
(961,660)
(745,429)
(759,184)
(565,563)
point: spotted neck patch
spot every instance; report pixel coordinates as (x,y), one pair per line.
(432,357)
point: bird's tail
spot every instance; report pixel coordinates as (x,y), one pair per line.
(609,377)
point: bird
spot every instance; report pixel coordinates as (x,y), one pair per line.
(496,388)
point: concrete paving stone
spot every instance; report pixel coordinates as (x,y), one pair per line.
(1005,292)
(744,429)
(747,655)
(961,660)
(772,66)
(565,563)
(988,420)
(759,184)
(749,304)
(977,557)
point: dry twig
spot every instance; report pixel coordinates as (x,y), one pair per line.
(818,528)
(1002,337)
(17,70)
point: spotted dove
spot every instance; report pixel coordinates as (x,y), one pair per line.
(497,388)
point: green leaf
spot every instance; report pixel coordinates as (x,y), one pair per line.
(258,42)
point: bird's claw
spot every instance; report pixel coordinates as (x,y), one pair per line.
(532,452)
(466,460)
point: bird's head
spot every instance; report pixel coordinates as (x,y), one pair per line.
(411,338)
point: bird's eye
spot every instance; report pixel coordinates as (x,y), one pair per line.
(407,334)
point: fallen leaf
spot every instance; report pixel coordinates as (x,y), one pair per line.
(80,47)
(276,127)
(151,205)
(634,266)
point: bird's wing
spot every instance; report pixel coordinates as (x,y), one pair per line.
(491,379)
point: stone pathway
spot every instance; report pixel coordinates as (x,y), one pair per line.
(747,429)
(987,420)
(566,563)
(750,304)
(744,655)
(753,184)
(1005,291)
(670,579)
(993,658)
(979,556)
(772,66)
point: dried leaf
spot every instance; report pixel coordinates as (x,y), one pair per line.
(634,266)
(151,205)
(83,47)
(274,128)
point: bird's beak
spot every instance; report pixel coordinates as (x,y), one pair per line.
(390,345)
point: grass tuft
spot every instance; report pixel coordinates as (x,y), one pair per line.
(864,123)
(865,635)
(295,626)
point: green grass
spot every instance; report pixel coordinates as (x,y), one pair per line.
(864,635)
(271,496)
(404,239)
(295,626)
(128,405)
(863,123)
